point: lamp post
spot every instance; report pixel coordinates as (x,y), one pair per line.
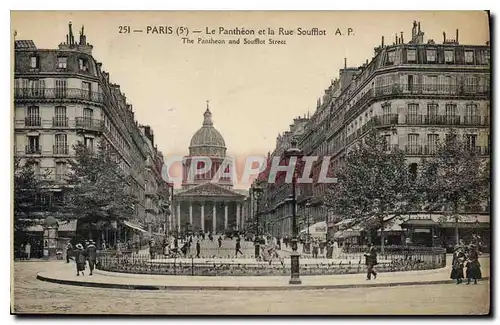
(257,194)
(477,224)
(293,151)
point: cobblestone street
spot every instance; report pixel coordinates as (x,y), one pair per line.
(34,296)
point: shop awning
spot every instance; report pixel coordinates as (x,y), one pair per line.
(134,226)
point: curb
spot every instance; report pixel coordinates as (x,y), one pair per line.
(240,288)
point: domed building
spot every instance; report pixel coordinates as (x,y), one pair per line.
(207,201)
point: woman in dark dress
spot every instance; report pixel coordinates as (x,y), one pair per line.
(473,270)
(80,259)
(457,264)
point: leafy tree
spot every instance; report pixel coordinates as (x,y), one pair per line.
(455,180)
(373,187)
(99,190)
(29,187)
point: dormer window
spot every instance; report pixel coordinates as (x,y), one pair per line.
(411,55)
(82,65)
(34,62)
(431,55)
(62,62)
(448,56)
(469,56)
(391,56)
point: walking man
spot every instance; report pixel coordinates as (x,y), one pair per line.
(80,259)
(198,248)
(91,255)
(238,247)
(28,250)
(220,241)
(371,261)
(69,251)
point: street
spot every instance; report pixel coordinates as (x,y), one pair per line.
(34,296)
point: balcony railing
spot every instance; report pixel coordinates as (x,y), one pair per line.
(413,149)
(58,93)
(33,121)
(59,178)
(433,89)
(60,149)
(414,119)
(89,124)
(60,122)
(33,150)
(472,120)
(387,119)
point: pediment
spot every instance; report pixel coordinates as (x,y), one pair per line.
(211,190)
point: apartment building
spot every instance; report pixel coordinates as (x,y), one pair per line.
(62,96)
(412,93)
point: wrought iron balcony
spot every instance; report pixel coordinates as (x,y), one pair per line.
(60,149)
(414,149)
(59,121)
(89,124)
(58,93)
(33,150)
(33,121)
(387,119)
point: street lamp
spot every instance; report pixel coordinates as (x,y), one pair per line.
(293,151)
(257,194)
(477,224)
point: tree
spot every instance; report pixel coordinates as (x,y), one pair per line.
(455,179)
(99,190)
(373,187)
(29,186)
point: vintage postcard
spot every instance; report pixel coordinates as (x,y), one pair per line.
(230,162)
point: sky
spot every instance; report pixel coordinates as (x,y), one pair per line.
(254,90)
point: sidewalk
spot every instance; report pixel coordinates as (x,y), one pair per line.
(65,274)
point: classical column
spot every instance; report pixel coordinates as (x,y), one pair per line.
(203,217)
(225,216)
(179,217)
(191,213)
(238,216)
(214,220)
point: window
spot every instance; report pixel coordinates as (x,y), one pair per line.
(431,55)
(410,83)
(449,56)
(471,84)
(60,116)
(87,90)
(33,116)
(451,109)
(413,109)
(82,65)
(469,56)
(432,142)
(413,146)
(88,114)
(413,168)
(33,144)
(89,143)
(431,83)
(61,88)
(432,109)
(470,141)
(62,62)
(411,55)
(36,87)
(471,111)
(61,144)
(387,142)
(34,62)
(60,171)
(391,56)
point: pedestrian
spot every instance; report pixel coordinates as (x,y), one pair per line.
(457,264)
(91,253)
(220,241)
(198,249)
(151,249)
(80,259)
(28,250)
(473,268)
(315,248)
(371,261)
(329,250)
(238,247)
(69,251)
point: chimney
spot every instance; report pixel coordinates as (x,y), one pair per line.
(456,40)
(382,41)
(419,27)
(402,40)
(444,37)
(345,63)
(397,40)
(71,37)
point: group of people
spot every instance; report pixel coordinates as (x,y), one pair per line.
(466,257)
(81,254)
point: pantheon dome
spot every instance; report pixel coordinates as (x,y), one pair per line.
(207,141)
